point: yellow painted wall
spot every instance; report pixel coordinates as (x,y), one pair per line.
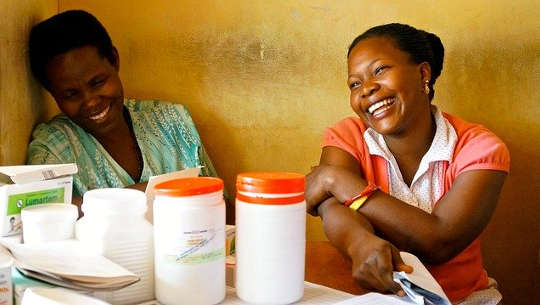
(22,101)
(262,79)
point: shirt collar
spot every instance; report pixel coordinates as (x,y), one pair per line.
(441,149)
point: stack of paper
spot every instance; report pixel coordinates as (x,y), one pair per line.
(68,264)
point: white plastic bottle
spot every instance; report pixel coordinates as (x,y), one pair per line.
(270,237)
(189,226)
(114,226)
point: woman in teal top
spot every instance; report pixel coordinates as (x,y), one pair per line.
(115,142)
(165,134)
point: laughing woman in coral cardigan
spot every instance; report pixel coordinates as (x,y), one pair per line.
(404,175)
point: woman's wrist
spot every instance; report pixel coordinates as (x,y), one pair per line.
(323,207)
(358,200)
(358,239)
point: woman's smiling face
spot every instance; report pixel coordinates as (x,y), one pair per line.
(87,88)
(387,86)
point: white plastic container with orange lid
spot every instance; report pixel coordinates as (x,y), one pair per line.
(189,236)
(270,237)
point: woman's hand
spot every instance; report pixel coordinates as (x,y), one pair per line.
(325,181)
(373,261)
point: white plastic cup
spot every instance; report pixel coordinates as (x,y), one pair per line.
(48,222)
(57,296)
(270,237)
(189,227)
(114,226)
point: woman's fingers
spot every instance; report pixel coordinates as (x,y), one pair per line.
(387,267)
(375,272)
(399,265)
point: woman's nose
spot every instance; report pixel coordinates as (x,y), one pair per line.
(89,98)
(368,88)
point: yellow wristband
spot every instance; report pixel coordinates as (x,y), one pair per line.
(355,205)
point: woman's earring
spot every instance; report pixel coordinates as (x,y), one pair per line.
(426,87)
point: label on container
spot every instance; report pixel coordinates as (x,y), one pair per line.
(6,288)
(197,247)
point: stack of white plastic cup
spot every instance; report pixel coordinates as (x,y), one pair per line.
(270,237)
(189,226)
(114,226)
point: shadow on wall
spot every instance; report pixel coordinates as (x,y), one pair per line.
(506,101)
(215,70)
(22,101)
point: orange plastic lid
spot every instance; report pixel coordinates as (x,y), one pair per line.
(271,182)
(189,186)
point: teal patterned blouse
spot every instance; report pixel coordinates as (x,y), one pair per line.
(165,133)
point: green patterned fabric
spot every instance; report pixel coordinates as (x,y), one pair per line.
(165,133)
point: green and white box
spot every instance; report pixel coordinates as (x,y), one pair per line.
(26,185)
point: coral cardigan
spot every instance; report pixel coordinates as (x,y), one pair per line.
(476,148)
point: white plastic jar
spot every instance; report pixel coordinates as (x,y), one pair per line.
(189,226)
(270,237)
(48,222)
(114,226)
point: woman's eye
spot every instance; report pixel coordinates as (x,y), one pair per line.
(69,94)
(354,85)
(380,69)
(99,83)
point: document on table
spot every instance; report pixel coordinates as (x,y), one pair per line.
(153,180)
(420,286)
(313,294)
(374,298)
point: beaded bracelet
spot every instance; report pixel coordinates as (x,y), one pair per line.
(357,201)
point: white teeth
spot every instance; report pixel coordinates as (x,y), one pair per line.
(379,105)
(101,114)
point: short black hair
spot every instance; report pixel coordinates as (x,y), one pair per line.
(422,46)
(64,32)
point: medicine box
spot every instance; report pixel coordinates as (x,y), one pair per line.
(26,185)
